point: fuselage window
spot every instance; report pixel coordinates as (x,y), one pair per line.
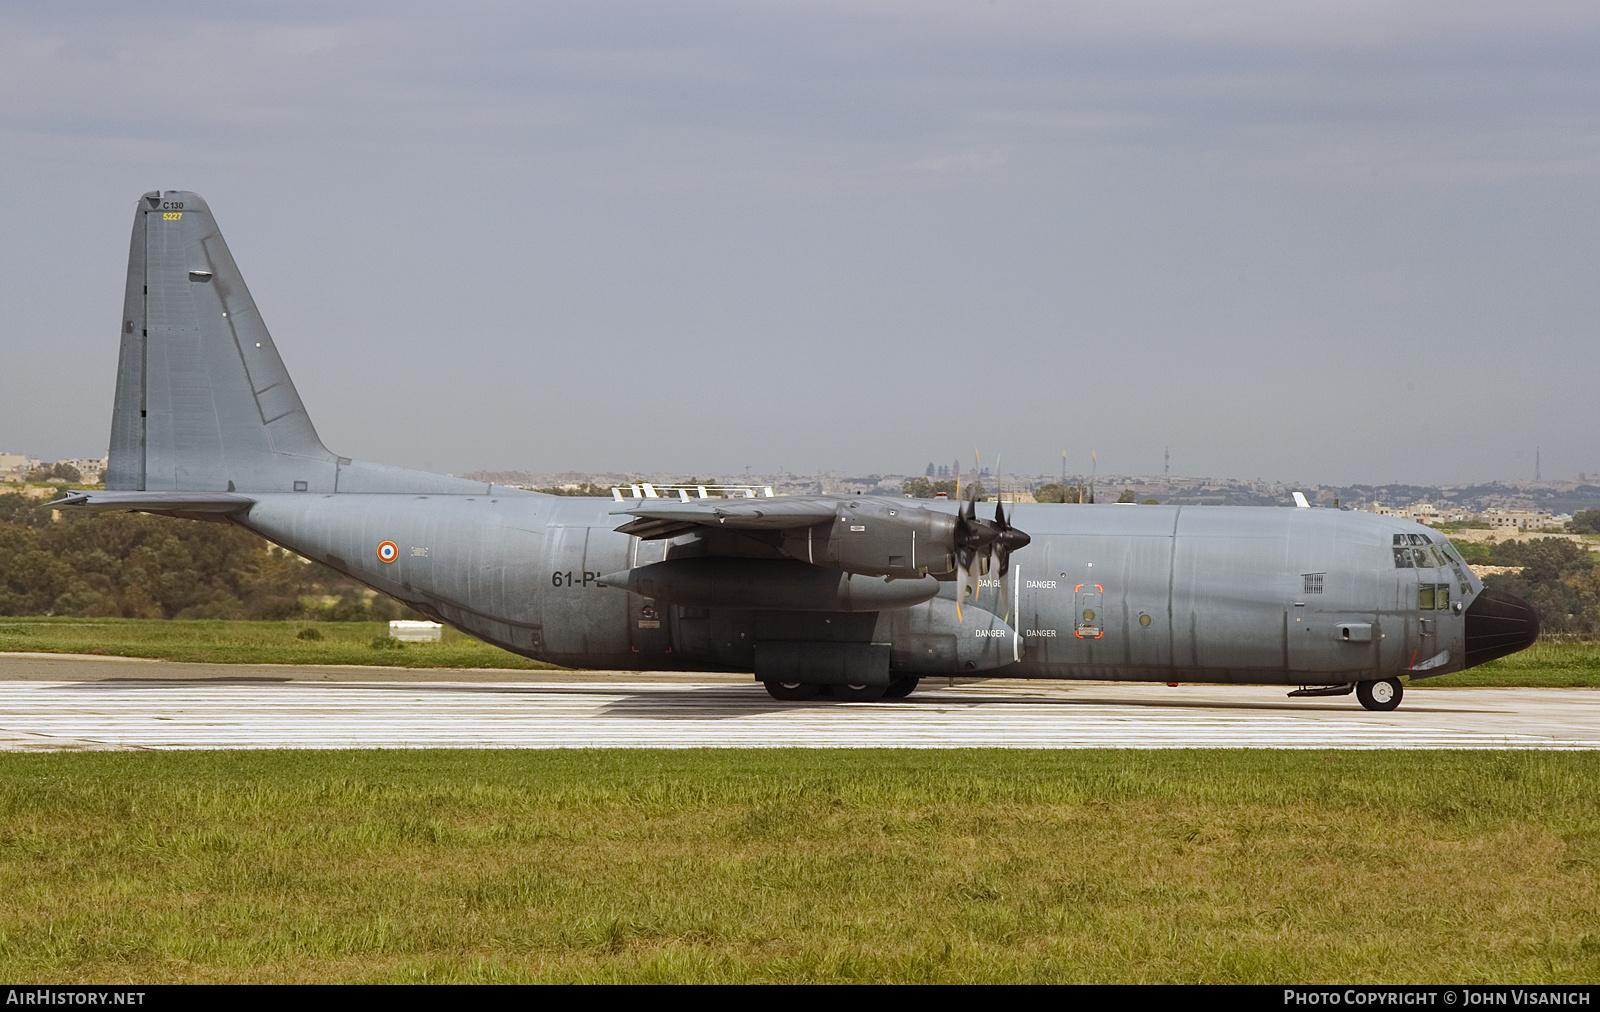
(1433,596)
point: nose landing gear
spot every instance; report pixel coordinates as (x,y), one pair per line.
(1384,695)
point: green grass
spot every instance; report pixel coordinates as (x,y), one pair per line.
(1547,664)
(230,642)
(794,865)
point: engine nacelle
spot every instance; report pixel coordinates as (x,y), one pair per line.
(878,537)
(769,585)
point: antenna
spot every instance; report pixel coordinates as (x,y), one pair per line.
(1166,463)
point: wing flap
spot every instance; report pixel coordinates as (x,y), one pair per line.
(669,519)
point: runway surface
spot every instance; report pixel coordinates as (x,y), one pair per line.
(80,703)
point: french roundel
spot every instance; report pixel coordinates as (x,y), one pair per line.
(387,552)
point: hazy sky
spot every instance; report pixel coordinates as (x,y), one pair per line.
(1340,242)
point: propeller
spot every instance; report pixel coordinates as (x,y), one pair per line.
(972,540)
(981,545)
(1007,539)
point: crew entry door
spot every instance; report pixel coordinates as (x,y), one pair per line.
(1088,609)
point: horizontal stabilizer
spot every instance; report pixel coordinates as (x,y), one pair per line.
(172,503)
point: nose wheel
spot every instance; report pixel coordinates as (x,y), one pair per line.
(1384,695)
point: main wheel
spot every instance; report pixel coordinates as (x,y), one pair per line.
(859,693)
(791,691)
(901,687)
(1384,695)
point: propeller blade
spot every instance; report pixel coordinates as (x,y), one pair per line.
(1003,559)
(1007,540)
(972,540)
(961,590)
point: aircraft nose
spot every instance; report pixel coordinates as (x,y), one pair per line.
(1498,624)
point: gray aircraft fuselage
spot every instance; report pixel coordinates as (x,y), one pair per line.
(1199,593)
(848,591)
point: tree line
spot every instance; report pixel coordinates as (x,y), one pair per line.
(132,565)
(1560,578)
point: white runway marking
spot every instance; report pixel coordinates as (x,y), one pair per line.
(40,715)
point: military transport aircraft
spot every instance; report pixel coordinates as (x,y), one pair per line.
(857,595)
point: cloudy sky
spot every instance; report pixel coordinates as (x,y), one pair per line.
(1336,241)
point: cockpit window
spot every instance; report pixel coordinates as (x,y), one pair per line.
(1418,553)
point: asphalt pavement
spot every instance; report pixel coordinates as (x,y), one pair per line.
(56,702)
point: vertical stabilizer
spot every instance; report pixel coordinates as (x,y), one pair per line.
(203,400)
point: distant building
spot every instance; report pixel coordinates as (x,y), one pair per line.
(1421,512)
(15,466)
(1521,520)
(92,468)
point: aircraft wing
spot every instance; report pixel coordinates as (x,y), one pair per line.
(669,519)
(196,505)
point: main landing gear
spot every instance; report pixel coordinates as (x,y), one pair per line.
(898,688)
(1384,695)
(1377,695)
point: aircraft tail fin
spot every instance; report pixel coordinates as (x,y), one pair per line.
(204,403)
(203,400)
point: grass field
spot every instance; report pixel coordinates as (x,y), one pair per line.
(230,642)
(1547,664)
(757,865)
